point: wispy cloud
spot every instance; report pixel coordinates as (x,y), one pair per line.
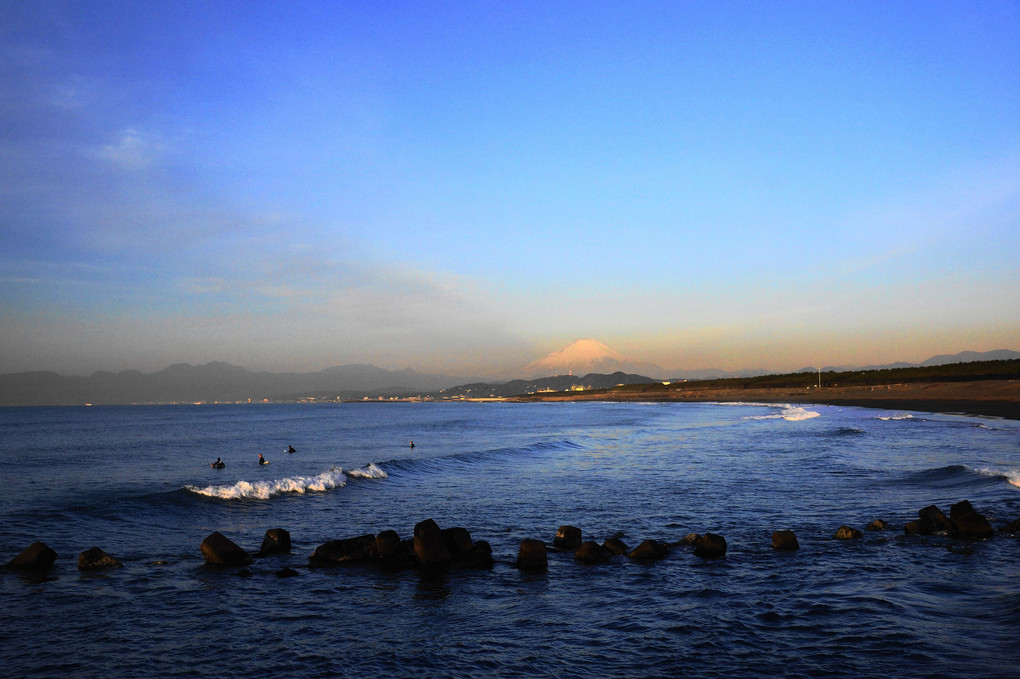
(133,150)
(923,231)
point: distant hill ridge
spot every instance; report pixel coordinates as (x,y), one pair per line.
(599,381)
(212,382)
(941,359)
(555,383)
(223,382)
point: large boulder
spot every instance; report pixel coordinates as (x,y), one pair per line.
(616,546)
(931,522)
(969,523)
(349,551)
(917,527)
(938,523)
(479,556)
(592,552)
(219,550)
(387,543)
(429,546)
(688,540)
(458,540)
(95,559)
(464,553)
(649,550)
(710,546)
(847,533)
(567,538)
(785,541)
(393,552)
(533,556)
(275,541)
(36,557)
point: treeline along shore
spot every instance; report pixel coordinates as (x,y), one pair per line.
(990,388)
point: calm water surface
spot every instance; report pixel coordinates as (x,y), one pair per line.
(136,481)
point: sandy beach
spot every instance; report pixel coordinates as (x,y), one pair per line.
(996,398)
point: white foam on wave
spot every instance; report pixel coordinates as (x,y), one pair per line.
(900,416)
(796,414)
(263,490)
(369,471)
(790,413)
(1012,476)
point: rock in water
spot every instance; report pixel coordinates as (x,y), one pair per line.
(276,541)
(36,557)
(689,539)
(387,543)
(785,540)
(937,522)
(533,556)
(847,533)
(219,550)
(649,550)
(393,552)
(877,524)
(458,541)
(916,527)
(350,551)
(429,546)
(592,552)
(710,546)
(478,557)
(616,546)
(567,537)
(931,522)
(969,523)
(95,559)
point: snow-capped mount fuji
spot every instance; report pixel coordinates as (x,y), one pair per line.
(584,356)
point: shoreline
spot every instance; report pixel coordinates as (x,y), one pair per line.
(989,398)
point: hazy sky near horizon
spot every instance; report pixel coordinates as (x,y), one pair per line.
(463,187)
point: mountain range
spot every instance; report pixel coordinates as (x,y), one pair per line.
(213,382)
(941,359)
(222,382)
(555,383)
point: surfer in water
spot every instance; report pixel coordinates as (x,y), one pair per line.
(412,444)
(218,464)
(262,460)
(290,449)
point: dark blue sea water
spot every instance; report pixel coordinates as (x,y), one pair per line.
(136,481)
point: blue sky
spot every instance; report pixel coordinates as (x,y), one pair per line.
(464,187)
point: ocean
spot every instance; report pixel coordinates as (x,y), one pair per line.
(137,482)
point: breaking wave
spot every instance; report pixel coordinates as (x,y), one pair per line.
(369,471)
(790,413)
(335,477)
(1011,476)
(961,476)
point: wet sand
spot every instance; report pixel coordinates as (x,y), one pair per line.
(996,398)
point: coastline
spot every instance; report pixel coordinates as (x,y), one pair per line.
(991,398)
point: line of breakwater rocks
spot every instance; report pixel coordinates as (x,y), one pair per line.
(435,549)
